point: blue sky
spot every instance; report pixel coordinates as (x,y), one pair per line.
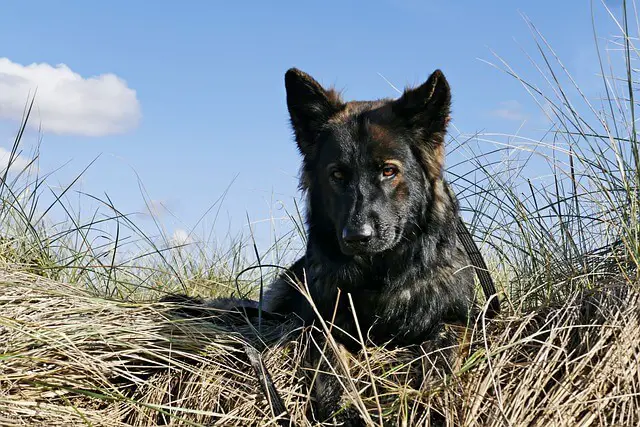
(209,101)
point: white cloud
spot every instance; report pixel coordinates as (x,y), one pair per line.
(510,110)
(180,237)
(67,103)
(19,162)
(154,209)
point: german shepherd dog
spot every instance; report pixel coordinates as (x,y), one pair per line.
(381,219)
(381,222)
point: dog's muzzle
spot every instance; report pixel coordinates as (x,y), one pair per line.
(357,238)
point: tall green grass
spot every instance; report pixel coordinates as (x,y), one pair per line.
(559,211)
(45,230)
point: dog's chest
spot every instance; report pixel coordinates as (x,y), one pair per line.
(382,312)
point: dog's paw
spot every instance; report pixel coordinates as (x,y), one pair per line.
(347,417)
(352,418)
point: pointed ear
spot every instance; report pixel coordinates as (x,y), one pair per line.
(310,106)
(427,107)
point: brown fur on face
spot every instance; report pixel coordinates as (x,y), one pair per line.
(433,161)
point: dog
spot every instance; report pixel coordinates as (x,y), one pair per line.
(381,219)
(382,224)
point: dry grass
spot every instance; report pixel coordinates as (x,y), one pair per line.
(70,359)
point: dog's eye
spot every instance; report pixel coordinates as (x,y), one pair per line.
(337,175)
(389,171)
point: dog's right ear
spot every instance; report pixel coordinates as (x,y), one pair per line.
(310,107)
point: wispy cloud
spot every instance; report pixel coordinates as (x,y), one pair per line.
(510,110)
(67,103)
(155,208)
(18,164)
(181,237)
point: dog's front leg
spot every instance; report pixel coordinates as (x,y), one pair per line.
(331,385)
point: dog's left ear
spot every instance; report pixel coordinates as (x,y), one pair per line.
(424,112)
(427,107)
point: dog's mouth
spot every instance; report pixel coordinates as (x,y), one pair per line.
(355,249)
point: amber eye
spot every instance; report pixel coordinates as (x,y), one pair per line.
(337,175)
(389,171)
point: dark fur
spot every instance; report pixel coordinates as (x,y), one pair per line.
(412,273)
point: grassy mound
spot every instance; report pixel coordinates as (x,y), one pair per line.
(69,358)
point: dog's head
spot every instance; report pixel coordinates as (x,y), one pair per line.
(371,167)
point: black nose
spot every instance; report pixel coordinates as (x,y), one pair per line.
(357,234)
